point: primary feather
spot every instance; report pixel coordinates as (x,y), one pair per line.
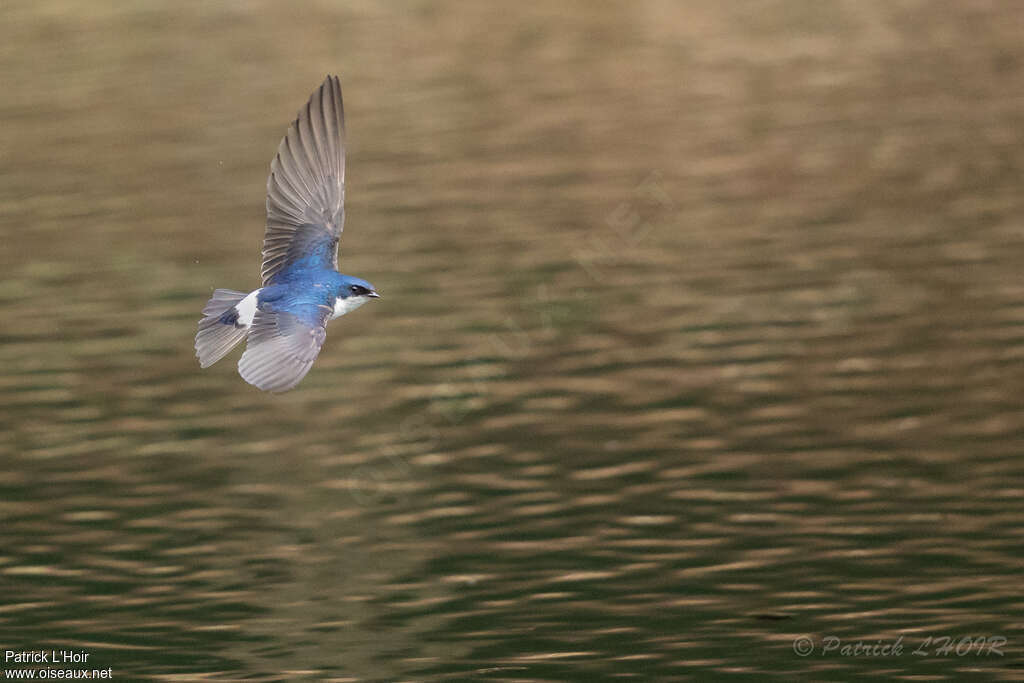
(282,347)
(306,187)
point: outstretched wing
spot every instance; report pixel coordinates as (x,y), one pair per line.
(306,187)
(282,347)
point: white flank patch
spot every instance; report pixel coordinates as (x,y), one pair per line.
(247,308)
(343,306)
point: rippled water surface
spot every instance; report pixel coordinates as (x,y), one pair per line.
(702,331)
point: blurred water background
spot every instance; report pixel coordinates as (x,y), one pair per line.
(702,330)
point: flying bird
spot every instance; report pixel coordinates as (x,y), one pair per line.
(284,322)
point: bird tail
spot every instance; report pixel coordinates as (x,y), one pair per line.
(219,333)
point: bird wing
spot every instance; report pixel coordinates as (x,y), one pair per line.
(282,346)
(306,187)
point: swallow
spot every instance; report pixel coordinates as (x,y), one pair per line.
(284,322)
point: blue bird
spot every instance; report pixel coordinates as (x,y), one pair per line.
(285,320)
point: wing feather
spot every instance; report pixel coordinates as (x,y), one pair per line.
(306,186)
(282,347)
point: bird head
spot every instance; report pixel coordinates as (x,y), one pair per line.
(353,293)
(354,287)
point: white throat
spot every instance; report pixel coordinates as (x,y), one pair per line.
(343,306)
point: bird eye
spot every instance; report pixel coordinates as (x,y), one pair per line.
(356,289)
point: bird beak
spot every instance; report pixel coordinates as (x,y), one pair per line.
(373,295)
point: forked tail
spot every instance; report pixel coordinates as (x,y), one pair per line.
(219,331)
